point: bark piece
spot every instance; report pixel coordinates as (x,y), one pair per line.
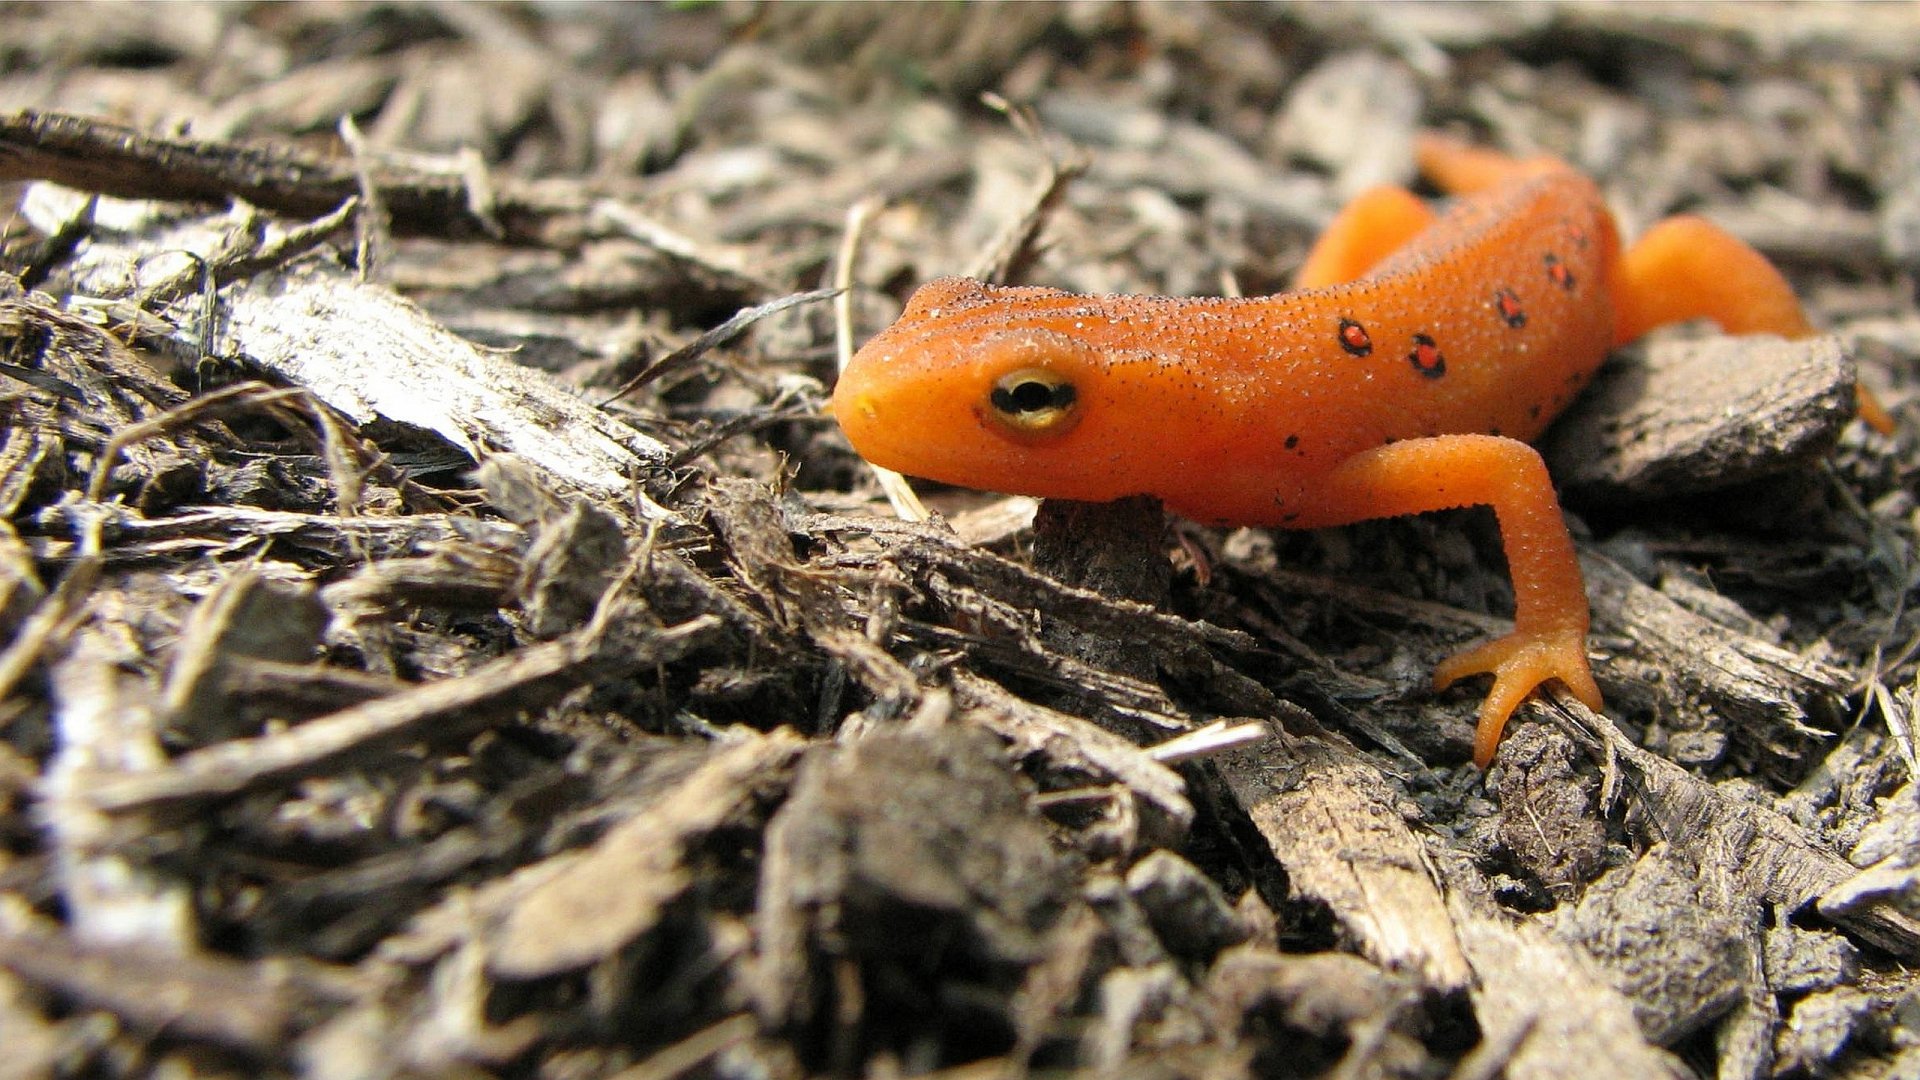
(1355,114)
(1314,1014)
(1541,1003)
(1670,933)
(1333,823)
(1186,908)
(95,155)
(1820,1027)
(246,617)
(323,538)
(237,1005)
(1774,858)
(568,568)
(909,856)
(1687,416)
(1078,748)
(119,386)
(585,906)
(108,730)
(1549,810)
(442,709)
(1693,666)
(1799,960)
(401,367)
(397,367)
(1115,549)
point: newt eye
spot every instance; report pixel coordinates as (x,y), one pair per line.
(1034,401)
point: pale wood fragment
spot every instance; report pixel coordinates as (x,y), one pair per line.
(590,903)
(1331,821)
(1542,998)
(402,367)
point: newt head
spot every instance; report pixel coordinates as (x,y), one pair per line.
(988,388)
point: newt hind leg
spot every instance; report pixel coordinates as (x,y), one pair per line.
(1689,268)
(1549,639)
(1373,226)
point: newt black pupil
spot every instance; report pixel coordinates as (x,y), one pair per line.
(1032,396)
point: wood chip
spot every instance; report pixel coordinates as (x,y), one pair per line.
(451,705)
(1331,823)
(593,903)
(1685,416)
(1543,1001)
(401,367)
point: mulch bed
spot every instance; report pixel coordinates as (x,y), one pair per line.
(444,633)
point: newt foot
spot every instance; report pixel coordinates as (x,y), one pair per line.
(1519,663)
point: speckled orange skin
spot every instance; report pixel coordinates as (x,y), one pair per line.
(1229,410)
(1474,328)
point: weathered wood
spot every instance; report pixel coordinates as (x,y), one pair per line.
(1331,823)
(1683,416)
(584,906)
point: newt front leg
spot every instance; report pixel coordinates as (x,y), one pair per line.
(1549,639)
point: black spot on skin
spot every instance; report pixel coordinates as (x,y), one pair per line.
(1533,411)
(1354,338)
(1426,358)
(1290,519)
(1508,305)
(1558,272)
(1293,441)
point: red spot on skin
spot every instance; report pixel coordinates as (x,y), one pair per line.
(1558,272)
(1354,338)
(1508,305)
(1426,358)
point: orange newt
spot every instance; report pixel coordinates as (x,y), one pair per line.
(1418,355)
